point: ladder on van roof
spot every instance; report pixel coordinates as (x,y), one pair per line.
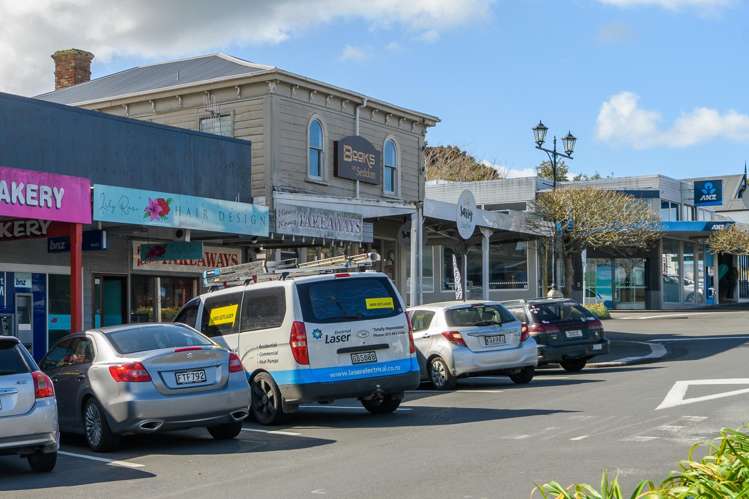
(260,271)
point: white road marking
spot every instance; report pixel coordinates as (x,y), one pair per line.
(274,432)
(656,352)
(462,390)
(694,419)
(671,428)
(676,395)
(111,462)
(581,437)
(319,492)
(661,316)
(347,407)
(702,338)
(638,438)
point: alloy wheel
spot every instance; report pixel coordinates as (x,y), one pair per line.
(266,400)
(438,373)
(92,423)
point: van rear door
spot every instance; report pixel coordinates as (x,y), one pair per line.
(356,327)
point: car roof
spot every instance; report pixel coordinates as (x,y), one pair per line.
(446,305)
(510,303)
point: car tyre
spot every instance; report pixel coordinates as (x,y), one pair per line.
(524,376)
(225,431)
(384,404)
(440,375)
(267,404)
(573,366)
(96,430)
(42,462)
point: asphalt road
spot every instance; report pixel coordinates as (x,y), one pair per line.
(489,438)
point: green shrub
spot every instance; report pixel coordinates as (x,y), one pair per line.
(723,472)
(599,310)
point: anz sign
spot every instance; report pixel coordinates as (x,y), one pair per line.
(708,192)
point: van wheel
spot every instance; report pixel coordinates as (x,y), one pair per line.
(384,404)
(99,436)
(43,463)
(524,376)
(267,406)
(439,373)
(574,366)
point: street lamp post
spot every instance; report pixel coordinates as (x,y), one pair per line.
(568,141)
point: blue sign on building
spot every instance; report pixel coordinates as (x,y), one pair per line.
(93,240)
(708,192)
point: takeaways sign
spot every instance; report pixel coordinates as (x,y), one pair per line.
(357,159)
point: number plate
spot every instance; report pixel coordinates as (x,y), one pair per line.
(363,357)
(190,377)
(574,334)
(498,339)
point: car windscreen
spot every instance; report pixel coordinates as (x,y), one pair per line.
(11,360)
(478,315)
(348,299)
(144,338)
(559,312)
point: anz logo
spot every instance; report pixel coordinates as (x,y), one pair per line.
(709,193)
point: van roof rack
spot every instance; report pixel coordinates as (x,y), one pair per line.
(260,271)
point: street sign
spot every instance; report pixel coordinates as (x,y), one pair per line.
(677,395)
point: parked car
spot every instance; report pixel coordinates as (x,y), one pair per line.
(145,378)
(458,339)
(28,410)
(316,338)
(566,332)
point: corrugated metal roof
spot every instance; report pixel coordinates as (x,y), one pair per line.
(154,77)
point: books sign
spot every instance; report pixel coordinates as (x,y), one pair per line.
(357,159)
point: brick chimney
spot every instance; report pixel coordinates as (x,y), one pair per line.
(72,66)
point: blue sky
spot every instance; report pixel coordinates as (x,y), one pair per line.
(647,86)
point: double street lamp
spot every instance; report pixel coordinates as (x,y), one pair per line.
(568,141)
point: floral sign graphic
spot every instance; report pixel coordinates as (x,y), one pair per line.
(157,209)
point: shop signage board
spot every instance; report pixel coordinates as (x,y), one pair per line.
(356,158)
(465,216)
(708,192)
(44,196)
(14,230)
(318,222)
(161,209)
(93,240)
(22,280)
(177,250)
(213,256)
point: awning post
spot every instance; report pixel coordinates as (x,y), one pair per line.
(76,278)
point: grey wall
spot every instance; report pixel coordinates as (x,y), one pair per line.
(42,136)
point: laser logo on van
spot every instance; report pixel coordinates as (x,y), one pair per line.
(316,334)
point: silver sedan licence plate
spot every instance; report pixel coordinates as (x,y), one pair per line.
(190,377)
(497,339)
(363,357)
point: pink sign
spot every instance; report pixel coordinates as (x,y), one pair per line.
(44,196)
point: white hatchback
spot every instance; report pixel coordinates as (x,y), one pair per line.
(458,339)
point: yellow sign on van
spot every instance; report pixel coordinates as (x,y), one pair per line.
(375,303)
(223,315)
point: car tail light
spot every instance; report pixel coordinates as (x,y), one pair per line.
(454,337)
(132,372)
(534,329)
(43,386)
(343,275)
(298,343)
(187,349)
(524,333)
(411,344)
(235,363)
(595,324)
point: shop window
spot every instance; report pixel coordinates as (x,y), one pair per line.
(58,318)
(142,299)
(263,309)
(390,170)
(473,281)
(175,292)
(508,264)
(218,125)
(671,271)
(221,314)
(427,270)
(670,211)
(315,156)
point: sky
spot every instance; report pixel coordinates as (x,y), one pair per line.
(647,86)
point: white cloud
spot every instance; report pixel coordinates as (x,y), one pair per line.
(351,53)
(622,120)
(32,30)
(671,4)
(429,36)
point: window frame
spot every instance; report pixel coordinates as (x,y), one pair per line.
(195,303)
(430,313)
(396,167)
(218,117)
(205,314)
(247,298)
(322,152)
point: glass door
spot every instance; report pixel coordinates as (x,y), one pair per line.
(110,300)
(24,319)
(629,283)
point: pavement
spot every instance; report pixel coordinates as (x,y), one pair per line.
(488,438)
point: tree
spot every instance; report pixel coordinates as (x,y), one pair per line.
(546,171)
(452,163)
(732,240)
(592,218)
(584,176)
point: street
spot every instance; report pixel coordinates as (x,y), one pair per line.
(489,438)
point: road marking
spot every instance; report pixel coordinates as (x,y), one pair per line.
(347,407)
(676,395)
(656,352)
(274,432)
(111,462)
(694,419)
(701,338)
(661,316)
(581,437)
(639,438)
(462,390)
(671,428)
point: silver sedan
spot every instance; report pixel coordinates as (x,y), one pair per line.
(146,378)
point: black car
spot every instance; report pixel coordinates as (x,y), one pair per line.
(566,332)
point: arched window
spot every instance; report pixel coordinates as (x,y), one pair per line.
(390,171)
(315,152)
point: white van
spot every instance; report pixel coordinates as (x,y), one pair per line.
(314,339)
